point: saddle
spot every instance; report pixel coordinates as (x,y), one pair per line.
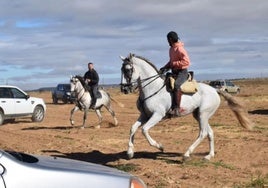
(188,87)
(99,94)
(87,88)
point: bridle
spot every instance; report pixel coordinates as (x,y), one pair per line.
(74,80)
(127,70)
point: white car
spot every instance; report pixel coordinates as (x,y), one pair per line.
(16,103)
(32,171)
(225,85)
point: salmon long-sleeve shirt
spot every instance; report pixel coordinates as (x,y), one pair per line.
(179,58)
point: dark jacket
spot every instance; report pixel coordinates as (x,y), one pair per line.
(93,76)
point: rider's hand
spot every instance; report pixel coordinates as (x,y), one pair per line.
(162,70)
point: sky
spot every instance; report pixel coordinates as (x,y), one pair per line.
(43,43)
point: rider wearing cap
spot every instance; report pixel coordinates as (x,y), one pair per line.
(178,63)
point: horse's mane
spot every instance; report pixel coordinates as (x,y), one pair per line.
(81,79)
(146,60)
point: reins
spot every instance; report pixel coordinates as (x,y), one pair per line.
(145,79)
(80,91)
(140,81)
(152,94)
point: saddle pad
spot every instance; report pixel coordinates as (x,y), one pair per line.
(189,86)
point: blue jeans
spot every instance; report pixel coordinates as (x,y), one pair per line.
(182,76)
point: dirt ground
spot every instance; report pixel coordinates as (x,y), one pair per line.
(241,158)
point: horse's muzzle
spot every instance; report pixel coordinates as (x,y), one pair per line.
(126,88)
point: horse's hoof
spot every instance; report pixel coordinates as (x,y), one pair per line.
(116,122)
(130,153)
(97,127)
(72,123)
(207,158)
(186,158)
(161,148)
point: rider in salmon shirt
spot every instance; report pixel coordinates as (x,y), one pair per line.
(179,63)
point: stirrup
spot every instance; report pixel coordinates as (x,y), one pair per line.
(92,106)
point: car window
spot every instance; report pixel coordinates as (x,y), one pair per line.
(17,93)
(5,93)
(228,83)
(61,88)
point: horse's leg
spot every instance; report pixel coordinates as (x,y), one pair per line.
(204,130)
(72,112)
(134,128)
(99,117)
(109,108)
(211,143)
(84,118)
(155,118)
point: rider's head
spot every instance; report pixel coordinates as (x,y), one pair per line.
(172,37)
(90,66)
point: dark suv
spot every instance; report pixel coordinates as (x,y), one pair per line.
(225,85)
(63,93)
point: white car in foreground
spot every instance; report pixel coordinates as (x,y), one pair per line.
(32,171)
(14,103)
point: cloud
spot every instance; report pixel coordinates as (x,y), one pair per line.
(49,40)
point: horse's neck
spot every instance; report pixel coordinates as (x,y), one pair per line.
(80,90)
(149,80)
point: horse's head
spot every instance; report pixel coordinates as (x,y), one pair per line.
(137,70)
(129,75)
(76,83)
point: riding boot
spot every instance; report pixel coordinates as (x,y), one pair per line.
(93,104)
(176,106)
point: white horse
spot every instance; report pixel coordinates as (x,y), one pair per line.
(83,101)
(154,101)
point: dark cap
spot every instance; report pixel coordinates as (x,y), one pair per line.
(173,36)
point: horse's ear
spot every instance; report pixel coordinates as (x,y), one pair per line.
(123,58)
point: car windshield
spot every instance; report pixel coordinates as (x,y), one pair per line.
(67,87)
(217,83)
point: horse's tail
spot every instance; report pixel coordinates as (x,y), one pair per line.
(117,102)
(238,110)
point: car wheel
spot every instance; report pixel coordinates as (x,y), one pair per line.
(10,120)
(237,91)
(1,118)
(55,100)
(64,100)
(38,114)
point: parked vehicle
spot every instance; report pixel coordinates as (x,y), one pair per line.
(32,171)
(62,92)
(15,103)
(225,85)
